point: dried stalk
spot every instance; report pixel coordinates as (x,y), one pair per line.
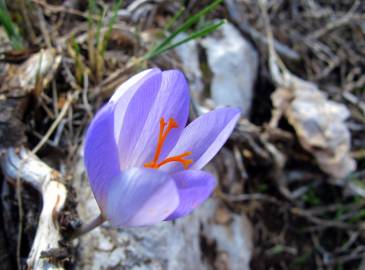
(24,165)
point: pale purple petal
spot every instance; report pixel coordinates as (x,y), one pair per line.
(140,197)
(135,116)
(128,84)
(100,152)
(194,188)
(124,94)
(204,137)
(172,101)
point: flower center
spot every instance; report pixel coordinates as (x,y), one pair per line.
(165,129)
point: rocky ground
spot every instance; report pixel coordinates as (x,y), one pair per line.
(291,177)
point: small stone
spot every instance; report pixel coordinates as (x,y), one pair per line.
(234,63)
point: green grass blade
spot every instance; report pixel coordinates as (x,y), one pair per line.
(200,33)
(75,45)
(111,22)
(91,11)
(3,5)
(98,28)
(10,28)
(187,24)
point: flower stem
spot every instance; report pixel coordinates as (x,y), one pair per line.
(88,227)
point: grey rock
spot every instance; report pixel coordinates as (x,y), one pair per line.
(234,62)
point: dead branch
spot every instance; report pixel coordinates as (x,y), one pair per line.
(22,164)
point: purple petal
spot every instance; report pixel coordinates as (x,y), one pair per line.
(204,137)
(172,101)
(124,94)
(131,82)
(135,116)
(140,197)
(100,152)
(194,188)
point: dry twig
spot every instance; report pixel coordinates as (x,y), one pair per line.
(23,164)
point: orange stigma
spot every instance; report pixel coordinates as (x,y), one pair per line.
(164,131)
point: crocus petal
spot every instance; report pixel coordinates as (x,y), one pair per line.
(100,152)
(135,116)
(124,94)
(172,101)
(128,84)
(194,188)
(140,197)
(204,137)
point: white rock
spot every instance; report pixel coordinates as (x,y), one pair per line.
(189,56)
(319,124)
(234,63)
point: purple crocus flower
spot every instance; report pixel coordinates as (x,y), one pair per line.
(142,162)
